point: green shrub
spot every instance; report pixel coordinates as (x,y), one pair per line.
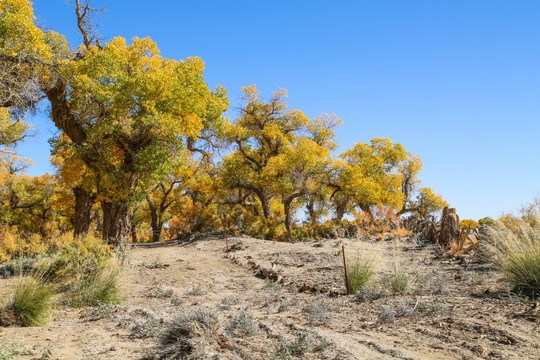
(85,271)
(95,289)
(360,272)
(17,266)
(487,221)
(32,303)
(78,258)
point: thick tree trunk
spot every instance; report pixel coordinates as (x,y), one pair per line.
(287,207)
(156,232)
(155,222)
(288,216)
(83,211)
(265,203)
(341,207)
(310,206)
(116,222)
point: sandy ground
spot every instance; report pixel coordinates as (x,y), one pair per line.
(458,309)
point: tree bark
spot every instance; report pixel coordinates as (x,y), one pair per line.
(341,207)
(154,220)
(310,206)
(287,207)
(83,211)
(116,222)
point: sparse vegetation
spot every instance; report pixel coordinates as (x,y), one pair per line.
(197,291)
(8,352)
(191,335)
(400,281)
(317,313)
(513,244)
(95,289)
(243,324)
(159,292)
(360,272)
(295,348)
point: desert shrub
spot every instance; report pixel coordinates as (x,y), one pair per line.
(85,270)
(400,281)
(191,335)
(78,258)
(360,272)
(326,230)
(370,293)
(32,303)
(15,243)
(514,246)
(295,348)
(8,352)
(243,324)
(95,289)
(487,221)
(17,266)
(318,312)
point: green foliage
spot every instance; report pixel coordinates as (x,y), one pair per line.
(77,260)
(487,221)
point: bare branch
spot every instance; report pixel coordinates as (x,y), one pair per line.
(85,22)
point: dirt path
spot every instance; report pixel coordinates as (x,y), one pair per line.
(456,311)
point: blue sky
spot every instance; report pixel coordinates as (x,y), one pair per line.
(456,82)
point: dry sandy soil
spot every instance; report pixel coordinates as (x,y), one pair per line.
(458,309)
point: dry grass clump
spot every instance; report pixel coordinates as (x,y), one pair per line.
(96,289)
(192,336)
(243,324)
(514,246)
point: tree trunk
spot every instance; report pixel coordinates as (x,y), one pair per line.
(134,238)
(155,221)
(83,211)
(265,203)
(288,221)
(156,232)
(287,205)
(341,207)
(116,222)
(310,206)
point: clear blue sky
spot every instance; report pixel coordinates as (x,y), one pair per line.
(456,82)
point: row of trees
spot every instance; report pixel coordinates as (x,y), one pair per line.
(140,137)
